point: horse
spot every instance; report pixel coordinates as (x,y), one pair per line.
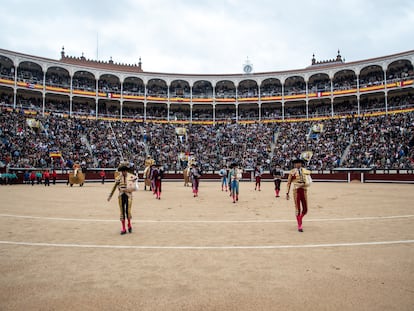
(186,175)
(147,180)
(78,179)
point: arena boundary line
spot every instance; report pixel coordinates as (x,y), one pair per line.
(380,181)
(224,247)
(213,221)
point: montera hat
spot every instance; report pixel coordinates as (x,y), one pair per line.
(298,160)
(123,166)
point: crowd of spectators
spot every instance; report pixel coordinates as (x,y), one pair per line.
(202,89)
(157,91)
(271,89)
(345,81)
(57,80)
(400,72)
(316,108)
(225,91)
(24,146)
(295,88)
(386,142)
(131,88)
(31,76)
(109,87)
(369,76)
(84,83)
(327,145)
(382,142)
(248,92)
(6,72)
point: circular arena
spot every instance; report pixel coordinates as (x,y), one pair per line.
(353,123)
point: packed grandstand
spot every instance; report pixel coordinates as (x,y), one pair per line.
(333,113)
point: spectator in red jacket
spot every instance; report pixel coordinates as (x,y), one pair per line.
(54,176)
(32,178)
(103,176)
(46,177)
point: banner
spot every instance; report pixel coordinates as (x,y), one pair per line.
(33,123)
(180,131)
(317,128)
(306,155)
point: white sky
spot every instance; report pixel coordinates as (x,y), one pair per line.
(195,36)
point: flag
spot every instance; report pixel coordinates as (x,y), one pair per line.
(306,155)
(180,131)
(317,128)
(30,85)
(33,123)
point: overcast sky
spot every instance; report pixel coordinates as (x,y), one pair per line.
(194,36)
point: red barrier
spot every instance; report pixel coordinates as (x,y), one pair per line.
(334,177)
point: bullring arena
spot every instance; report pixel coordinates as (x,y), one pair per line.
(60,245)
(61,249)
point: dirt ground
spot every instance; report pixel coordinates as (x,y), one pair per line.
(60,249)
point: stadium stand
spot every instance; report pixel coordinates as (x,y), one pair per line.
(357,114)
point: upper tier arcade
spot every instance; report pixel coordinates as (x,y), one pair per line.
(116,88)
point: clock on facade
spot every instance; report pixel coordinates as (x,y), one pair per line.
(247,68)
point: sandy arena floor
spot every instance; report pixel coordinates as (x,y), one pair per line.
(60,249)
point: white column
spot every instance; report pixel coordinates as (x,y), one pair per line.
(43,103)
(385,92)
(332,99)
(121,108)
(96,98)
(214,103)
(14,97)
(260,111)
(307,109)
(15,88)
(191,102)
(237,111)
(122,101)
(283,101)
(307,101)
(145,102)
(44,94)
(168,103)
(71,96)
(214,113)
(358,97)
(70,105)
(259,103)
(237,94)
